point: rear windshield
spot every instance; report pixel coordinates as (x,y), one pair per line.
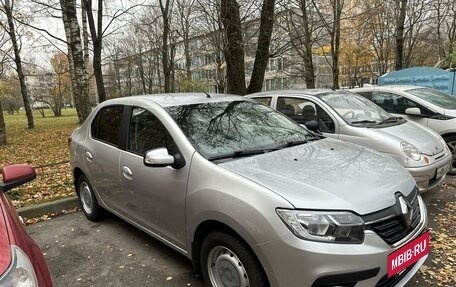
(435,97)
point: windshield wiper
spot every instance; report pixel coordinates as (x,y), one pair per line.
(239,153)
(295,143)
(364,122)
(390,120)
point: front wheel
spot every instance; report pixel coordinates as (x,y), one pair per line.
(451,142)
(227,262)
(87,199)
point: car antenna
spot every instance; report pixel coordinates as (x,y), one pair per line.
(208,96)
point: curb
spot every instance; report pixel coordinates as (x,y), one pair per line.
(48,207)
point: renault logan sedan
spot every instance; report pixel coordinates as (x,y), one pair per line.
(21,261)
(251,197)
(352,118)
(429,107)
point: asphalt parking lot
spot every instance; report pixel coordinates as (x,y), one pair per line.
(114,253)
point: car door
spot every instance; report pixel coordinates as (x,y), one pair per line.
(101,154)
(154,196)
(396,105)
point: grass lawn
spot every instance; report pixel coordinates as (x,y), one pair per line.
(45,148)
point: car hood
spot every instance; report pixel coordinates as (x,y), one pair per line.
(5,249)
(328,174)
(415,134)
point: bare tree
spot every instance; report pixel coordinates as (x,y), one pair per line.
(234,51)
(401,8)
(332,25)
(78,70)
(211,27)
(165,9)
(4,59)
(186,16)
(7,8)
(301,27)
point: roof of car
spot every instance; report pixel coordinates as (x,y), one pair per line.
(308,92)
(178,99)
(389,87)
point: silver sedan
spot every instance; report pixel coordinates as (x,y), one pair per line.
(352,118)
(253,198)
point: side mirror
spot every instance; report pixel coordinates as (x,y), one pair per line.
(16,175)
(413,111)
(160,157)
(312,125)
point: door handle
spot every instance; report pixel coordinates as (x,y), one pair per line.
(89,156)
(127,173)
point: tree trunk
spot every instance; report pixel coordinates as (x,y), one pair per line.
(262,52)
(96,33)
(335,43)
(17,59)
(165,48)
(85,35)
(309,69)
(234,51)
(402,6)
(78,70)
(2,127)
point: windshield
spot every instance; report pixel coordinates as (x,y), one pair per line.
(435,97)
(222,128)
(354,109)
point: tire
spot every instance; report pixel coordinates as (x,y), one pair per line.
(89,204)
(227,262)
(451,142)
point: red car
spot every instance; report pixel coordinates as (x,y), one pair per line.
(21,260)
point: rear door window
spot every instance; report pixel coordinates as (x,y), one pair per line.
(106,125)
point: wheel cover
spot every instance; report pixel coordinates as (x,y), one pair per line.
(86,197)
(225,269)
(452,146)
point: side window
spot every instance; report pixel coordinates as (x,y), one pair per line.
(265,101)
(325,123)
(299,110)
(146,132)
(390,102)
(106,125)
(397,104)
(303,111)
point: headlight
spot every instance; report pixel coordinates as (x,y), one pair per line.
(20,273)
(411,151)
(330,226)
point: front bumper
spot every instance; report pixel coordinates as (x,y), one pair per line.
(426,176)
(290,261)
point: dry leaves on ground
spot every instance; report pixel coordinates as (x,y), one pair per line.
(441,269)
(46,148)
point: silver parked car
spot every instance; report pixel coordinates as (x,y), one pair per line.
(426,106)
(349,117)
(250,196)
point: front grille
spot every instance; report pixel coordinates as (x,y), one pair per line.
(394,229)
(393,280)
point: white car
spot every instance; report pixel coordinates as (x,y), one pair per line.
(426,106)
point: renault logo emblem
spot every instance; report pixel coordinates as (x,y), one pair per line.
(406,210)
